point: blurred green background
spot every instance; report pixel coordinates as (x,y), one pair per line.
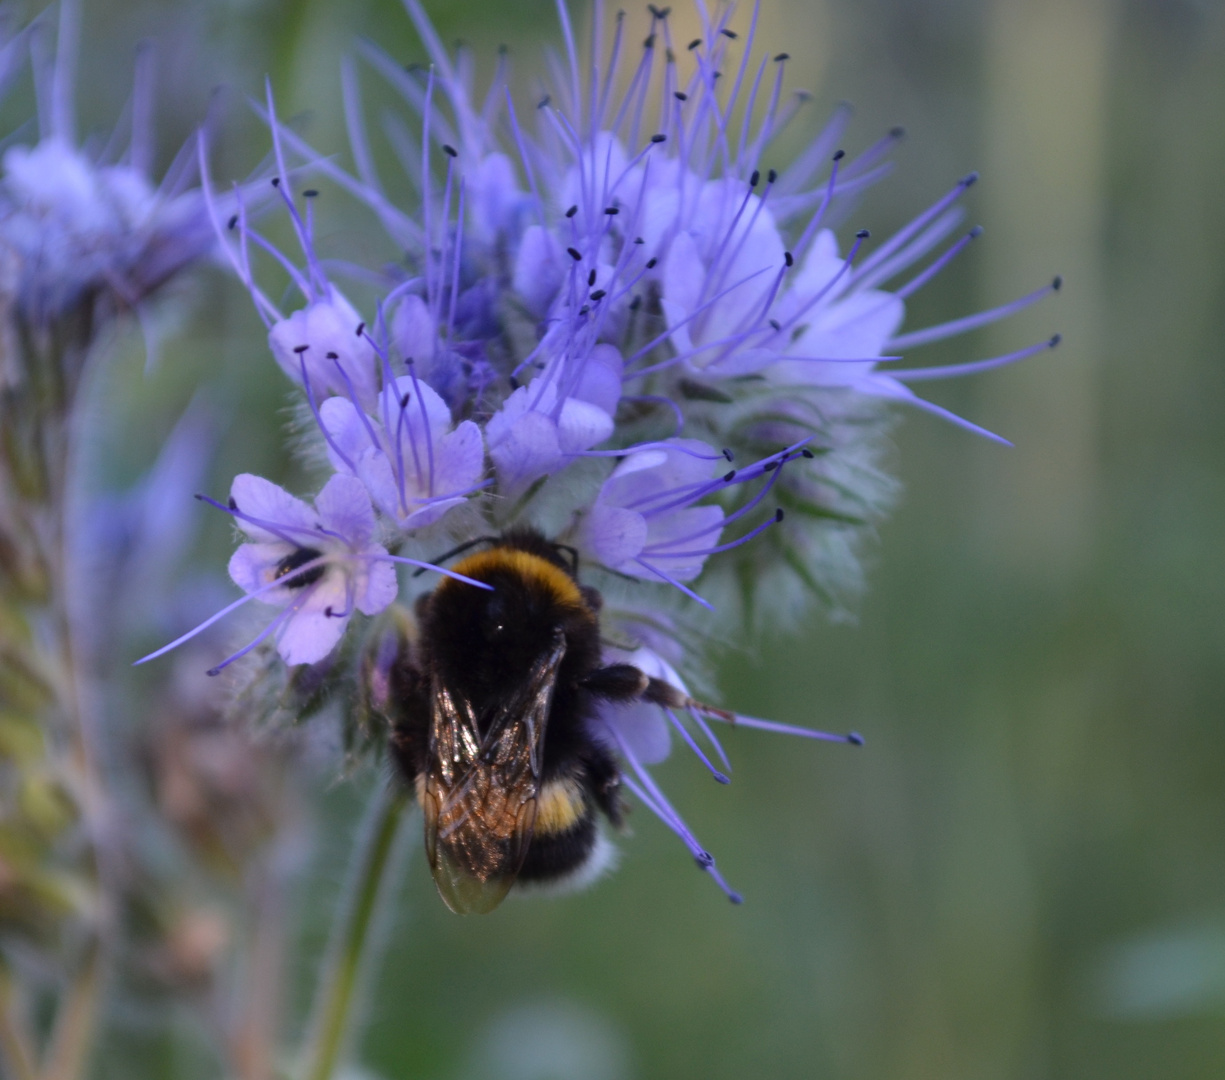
(1022,874)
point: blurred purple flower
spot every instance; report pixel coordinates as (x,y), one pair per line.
(77,227)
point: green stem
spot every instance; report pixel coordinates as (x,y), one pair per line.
(15,1042)
(75,1021)
(367,883)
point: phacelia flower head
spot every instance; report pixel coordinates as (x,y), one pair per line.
(80,231)
(611,335)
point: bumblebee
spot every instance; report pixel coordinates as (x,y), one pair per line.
(492,728)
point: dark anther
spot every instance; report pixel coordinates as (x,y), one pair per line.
(591,279)
(612,211)
(695,43)
(543,103)
(897,133)
(575,254)
(778,514)
(729,477)
(680,95)
(361,329)
(776,324)
(276,181)
(449,150)
(639,240)
(788,258)
(704,859)
(863,234)
(1055,340)
(648,42)
(299,349)
(770,466)
(755,179)
(661,13)
(333,356)
(854,738)
(1057,284)
(651,263)
(659,138)
(807,453)
(327,611)
(839,155)
(729,33)
(727,453)
(771,176)
(503,49)
(405,400)
(715,76)
(598,295)
(233,503)
(310,193)
(636,303)
(233,221)
(292,562)
(977,231)
(584,309)
(572,211)
(970,181)
(514,383)
(781,57)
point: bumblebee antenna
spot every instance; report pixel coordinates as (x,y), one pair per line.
(458,550)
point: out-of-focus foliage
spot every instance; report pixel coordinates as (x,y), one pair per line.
(1021,874)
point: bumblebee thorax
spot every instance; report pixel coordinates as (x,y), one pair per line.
(484,640)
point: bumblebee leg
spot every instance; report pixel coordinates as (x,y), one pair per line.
(617,682)
(410,732)
(663,693)
(624,683)
(603,781)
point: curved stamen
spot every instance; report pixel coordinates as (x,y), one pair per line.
(280,620)
(665,552)
(722,778)
(674,583)
(217,617)
(654,799)
(950,371)
(314,407)
(971,322)
(278,529)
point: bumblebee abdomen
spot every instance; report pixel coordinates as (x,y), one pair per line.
(566,845)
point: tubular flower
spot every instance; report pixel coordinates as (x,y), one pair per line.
(608,305)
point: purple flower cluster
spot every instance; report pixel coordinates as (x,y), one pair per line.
(82,232)
(613,322)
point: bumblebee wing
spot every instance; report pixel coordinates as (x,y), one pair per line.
(480,794)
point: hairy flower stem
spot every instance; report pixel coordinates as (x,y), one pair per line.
(41,419)
(369,884)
